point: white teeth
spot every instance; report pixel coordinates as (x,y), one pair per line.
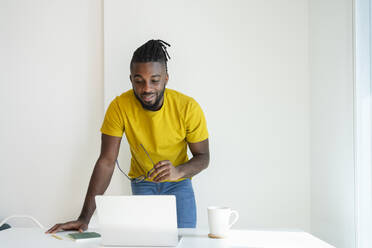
(148,97)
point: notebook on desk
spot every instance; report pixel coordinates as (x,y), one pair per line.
(149,220)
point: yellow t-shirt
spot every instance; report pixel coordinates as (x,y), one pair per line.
(164,133)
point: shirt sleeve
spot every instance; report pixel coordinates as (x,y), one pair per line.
(113,123)
(196,125)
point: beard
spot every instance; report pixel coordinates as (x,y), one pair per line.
(155,105)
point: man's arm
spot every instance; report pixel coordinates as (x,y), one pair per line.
(98,184)
(164,170)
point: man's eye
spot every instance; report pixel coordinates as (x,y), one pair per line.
(157,81)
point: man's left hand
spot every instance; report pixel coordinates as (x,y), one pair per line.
(165,170)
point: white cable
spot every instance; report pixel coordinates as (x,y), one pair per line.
(22,216)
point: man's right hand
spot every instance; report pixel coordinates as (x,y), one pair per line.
(78,225)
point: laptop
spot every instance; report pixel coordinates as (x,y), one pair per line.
(140,220)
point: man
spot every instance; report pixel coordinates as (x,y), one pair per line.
(158,123)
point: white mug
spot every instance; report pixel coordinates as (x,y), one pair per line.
(219,221)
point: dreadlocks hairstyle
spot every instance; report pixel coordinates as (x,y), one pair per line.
(152,51)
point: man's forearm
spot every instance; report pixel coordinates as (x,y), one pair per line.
(195,165)
(98,184)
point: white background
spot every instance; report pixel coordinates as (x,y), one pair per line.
(274,78)
(363,137)
(51,105)
(332,121)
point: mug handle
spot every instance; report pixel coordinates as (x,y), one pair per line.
(234,212)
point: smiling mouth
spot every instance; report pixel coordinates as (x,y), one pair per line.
(148,98)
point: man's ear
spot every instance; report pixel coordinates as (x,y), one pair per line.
(130,78)
(166,78)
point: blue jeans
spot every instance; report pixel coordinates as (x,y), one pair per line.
(185,199)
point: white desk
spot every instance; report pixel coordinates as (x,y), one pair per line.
(191,238)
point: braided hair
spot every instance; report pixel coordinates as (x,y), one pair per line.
(151,51)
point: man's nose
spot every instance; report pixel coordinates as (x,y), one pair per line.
(147,86)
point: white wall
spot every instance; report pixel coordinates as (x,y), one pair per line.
(51,105)
(363,123)
(332,115)
(246,63)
